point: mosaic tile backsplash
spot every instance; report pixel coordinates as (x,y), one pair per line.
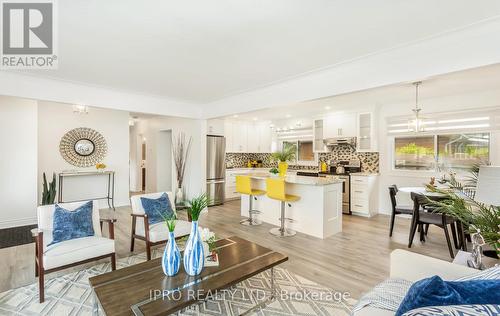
(369,161)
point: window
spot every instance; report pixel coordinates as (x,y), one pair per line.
(447,151)
(304,149)
(414,153)
(461,151)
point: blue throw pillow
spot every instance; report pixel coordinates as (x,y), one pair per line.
(72,224)
(436,292)
(157,209)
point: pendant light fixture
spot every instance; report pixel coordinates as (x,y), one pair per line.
(416,124)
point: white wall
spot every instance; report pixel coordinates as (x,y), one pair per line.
(152,128)
(401,178)
(55,119)
(18,161)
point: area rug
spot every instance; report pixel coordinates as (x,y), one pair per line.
(71,294)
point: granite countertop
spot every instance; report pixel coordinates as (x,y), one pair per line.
(292,179)
(365,174)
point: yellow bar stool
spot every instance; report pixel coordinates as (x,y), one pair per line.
(276,191)
(244,186)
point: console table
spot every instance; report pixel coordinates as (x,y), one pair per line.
(109,195)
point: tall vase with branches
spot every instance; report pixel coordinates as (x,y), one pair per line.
(181,148)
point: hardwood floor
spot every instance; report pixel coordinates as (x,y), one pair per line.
(354,260)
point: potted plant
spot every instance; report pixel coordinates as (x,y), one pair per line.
(477,217)
(209,240)
(171,259)
(194,256)
(49,190)
(274,172)
(283,156)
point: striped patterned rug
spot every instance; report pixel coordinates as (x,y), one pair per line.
(70,294)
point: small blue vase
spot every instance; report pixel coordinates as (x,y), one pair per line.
(171,260)
(194,257)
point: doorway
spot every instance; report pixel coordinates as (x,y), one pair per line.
(164,161)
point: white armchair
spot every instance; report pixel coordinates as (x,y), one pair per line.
(72,252)
(154,234)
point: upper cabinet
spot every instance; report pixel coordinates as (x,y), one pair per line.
(318,144)
(265,138)
(366,132)
(244,137)
(215,127)
(240,135)
(341,125)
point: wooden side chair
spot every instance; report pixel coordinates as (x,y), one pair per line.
(73,252)
(424,215)
(157,233)
(397,209)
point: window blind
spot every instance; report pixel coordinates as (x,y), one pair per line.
(450,122)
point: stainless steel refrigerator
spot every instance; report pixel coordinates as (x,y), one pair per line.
(216,169)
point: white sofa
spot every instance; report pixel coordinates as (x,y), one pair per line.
(154,234)
(413,267)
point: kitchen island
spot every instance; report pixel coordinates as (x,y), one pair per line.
(318,212)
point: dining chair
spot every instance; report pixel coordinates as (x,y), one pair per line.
(397,209)
(427,216)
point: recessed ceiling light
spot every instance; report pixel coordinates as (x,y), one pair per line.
(255,119)
(288,116)
(328,107)
(235,116)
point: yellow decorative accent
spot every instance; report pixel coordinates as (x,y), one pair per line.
(276,190)
(100,166)
(282,168)
(244,186)
(324,166)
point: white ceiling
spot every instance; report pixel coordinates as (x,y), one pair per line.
(201,51)
(459,83)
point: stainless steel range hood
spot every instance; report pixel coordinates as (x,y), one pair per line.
(339,141)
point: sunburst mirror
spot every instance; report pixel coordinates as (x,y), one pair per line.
(83,147)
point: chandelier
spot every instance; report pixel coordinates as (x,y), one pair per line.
(416,124)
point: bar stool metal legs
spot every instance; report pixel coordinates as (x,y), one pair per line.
(282,231)
(251,220)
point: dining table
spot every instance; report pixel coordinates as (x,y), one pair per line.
(436,196)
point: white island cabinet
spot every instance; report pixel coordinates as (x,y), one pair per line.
(318,213)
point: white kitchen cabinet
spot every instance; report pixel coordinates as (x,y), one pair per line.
(228,133)
(236,133)
(364,194)
(245,137)
(265,138)
(318,144)
(230,187)
(215,127)
(340,125)
(253,138)
(367,141)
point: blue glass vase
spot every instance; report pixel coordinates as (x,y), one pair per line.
(194,256)
(171,260)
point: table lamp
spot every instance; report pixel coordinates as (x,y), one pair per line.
(488,185)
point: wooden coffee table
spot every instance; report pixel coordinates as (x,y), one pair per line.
(143,289)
